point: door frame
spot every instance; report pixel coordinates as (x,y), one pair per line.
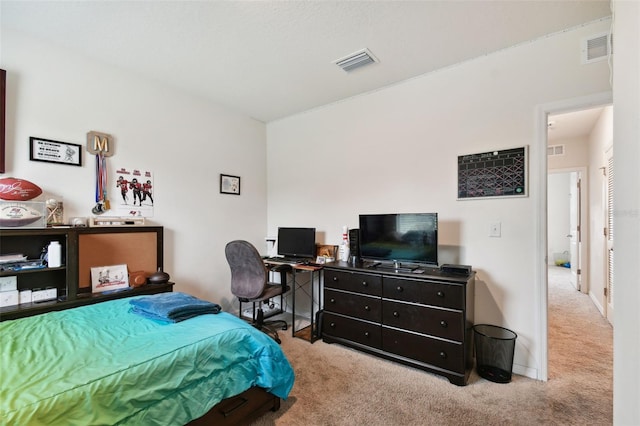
(583,222)
(539,188)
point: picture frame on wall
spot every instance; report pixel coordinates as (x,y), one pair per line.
(51,151)
(229,184)
(107,278)
(493,174)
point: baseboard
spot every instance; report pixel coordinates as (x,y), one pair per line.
(597,303)
(522,370)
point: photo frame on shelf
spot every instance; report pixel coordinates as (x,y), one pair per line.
(51,151)
(105,278)
(229,184)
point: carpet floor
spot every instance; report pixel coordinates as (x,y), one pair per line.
(336,385)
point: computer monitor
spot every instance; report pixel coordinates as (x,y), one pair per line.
(297,242)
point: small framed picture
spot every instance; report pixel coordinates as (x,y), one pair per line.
(112,277)
(229,184)
(55,152)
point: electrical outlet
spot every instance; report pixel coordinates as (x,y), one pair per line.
(495,229)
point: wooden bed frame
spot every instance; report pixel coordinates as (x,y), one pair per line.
(240,409)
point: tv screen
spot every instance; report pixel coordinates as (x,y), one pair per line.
(297,242)
(407,237)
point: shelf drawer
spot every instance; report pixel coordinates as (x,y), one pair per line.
(422,319)
(440,353)
(424,292)
(357,282)
(364,307)
(362,332)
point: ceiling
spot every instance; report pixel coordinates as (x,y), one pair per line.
(572,125)
(272,59)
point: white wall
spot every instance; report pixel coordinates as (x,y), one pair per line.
(558,215)
(626,157)
(395,150)
(600,140)
(185,141)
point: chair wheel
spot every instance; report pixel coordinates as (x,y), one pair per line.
(284,327)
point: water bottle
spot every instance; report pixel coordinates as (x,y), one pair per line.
(54,254)
(344,245)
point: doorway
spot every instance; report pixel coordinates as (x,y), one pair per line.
(574,163)
(566,221)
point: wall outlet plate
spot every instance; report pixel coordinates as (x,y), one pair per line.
(8,283)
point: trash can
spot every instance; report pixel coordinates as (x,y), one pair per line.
(494,352)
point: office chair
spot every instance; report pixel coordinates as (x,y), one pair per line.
(250,283)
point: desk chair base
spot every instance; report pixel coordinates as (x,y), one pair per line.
(267,327)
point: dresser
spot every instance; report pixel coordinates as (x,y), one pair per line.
(422,318)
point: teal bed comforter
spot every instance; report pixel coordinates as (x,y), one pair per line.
(101,364)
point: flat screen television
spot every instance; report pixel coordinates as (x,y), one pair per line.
(297,242)
(401,237)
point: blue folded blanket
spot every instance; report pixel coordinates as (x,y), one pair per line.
(172,307)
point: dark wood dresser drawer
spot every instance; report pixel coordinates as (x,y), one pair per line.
(443,323)
(441,353)
(359,306)
(362,332)
(350,281)
(424,292)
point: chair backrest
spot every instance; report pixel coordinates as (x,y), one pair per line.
(248,273)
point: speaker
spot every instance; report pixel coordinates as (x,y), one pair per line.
(354,243)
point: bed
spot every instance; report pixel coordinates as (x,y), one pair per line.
(102,364)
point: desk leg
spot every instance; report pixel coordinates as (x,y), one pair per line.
(309,332)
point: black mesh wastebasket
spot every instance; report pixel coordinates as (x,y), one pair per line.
(494,352)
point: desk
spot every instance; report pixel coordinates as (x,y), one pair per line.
(307,332)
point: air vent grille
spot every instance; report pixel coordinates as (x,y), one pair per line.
(553,150)
(356,60)
(596,48)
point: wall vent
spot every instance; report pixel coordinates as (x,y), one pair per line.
(596,48)
(356,60)
(553,150)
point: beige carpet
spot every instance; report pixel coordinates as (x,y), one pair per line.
(339,386)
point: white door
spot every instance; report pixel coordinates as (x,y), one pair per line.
(574,236)
(609,289)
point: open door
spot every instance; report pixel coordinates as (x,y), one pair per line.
(575,238)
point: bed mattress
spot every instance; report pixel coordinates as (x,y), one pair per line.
(101,364)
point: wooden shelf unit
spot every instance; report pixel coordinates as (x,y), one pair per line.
(139,247)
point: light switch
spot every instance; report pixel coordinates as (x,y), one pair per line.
(495,229)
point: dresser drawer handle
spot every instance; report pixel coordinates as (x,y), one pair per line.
(332,300)
(443,324)
(366,334)
(365,284)
(367,308)
(335,278)
(399,289)
(443,355)
(332,325)
(396,314)
(440,293)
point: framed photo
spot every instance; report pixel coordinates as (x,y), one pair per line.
(104,278)
(229,184)
(55,152)
(493,174)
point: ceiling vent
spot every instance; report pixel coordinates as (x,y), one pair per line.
(596,48)
(356,60)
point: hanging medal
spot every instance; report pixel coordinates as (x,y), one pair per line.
(101,145)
